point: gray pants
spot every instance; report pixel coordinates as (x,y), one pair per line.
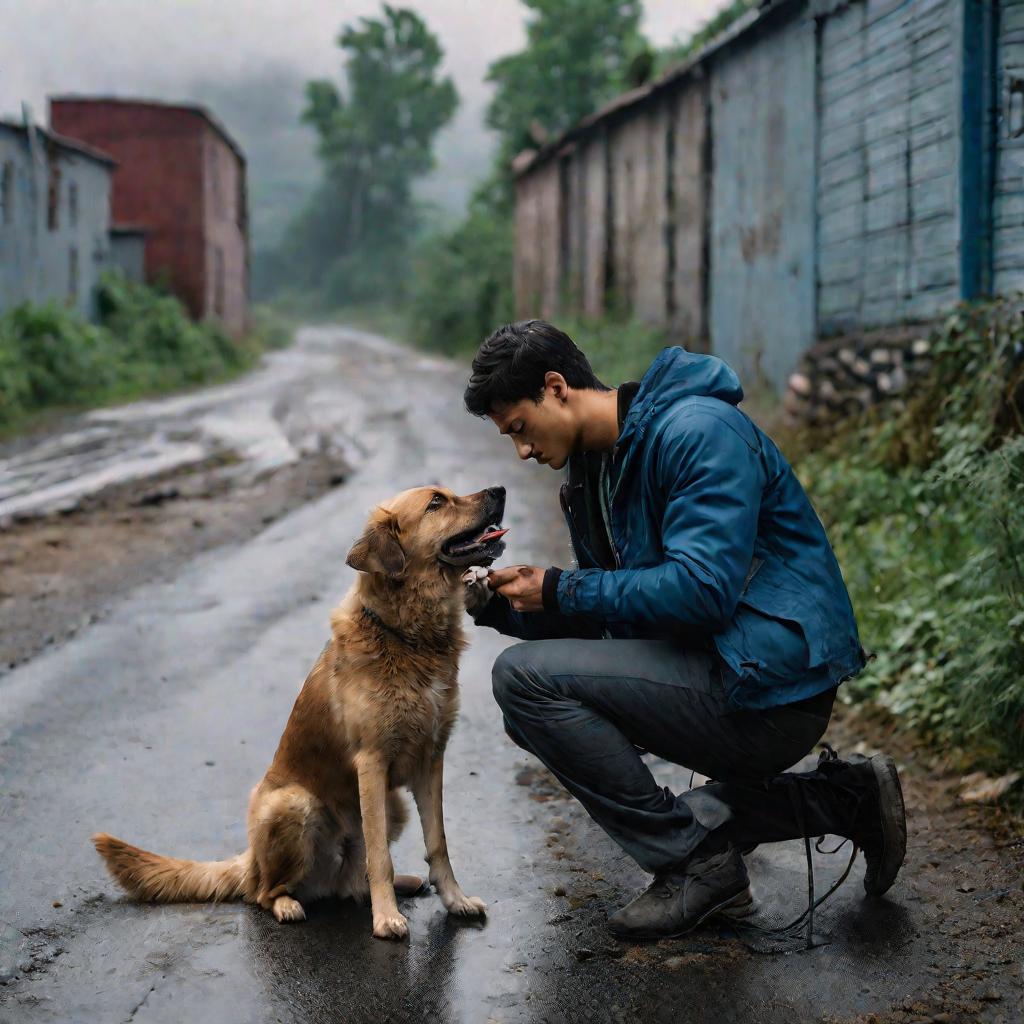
(584,707)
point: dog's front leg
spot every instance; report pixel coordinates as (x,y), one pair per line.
(426,789)
(388,922)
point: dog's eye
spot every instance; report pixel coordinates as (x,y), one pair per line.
(436,502)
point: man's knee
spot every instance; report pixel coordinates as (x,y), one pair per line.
(517,677)
(507,675)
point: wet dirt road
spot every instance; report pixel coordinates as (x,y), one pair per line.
(154,723)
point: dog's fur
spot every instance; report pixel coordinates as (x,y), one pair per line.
(374,714)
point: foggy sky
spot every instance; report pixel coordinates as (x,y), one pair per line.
(170,49)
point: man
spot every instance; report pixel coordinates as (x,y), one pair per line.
(706,622)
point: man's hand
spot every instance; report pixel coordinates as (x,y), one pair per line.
(521,584)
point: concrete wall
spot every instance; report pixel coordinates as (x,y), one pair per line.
(51,255)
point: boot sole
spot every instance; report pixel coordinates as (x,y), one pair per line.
(894,825)
(741,899)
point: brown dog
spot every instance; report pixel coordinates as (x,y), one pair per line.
(374,714)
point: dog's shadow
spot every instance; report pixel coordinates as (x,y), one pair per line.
(331,963)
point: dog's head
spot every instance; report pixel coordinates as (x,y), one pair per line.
(430,526)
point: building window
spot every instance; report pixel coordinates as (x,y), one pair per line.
(7,192)
(53,198)
(72,273)
(73,204)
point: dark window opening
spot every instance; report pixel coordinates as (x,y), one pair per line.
(73,204)
(72,273)
(7,192)
(53,198)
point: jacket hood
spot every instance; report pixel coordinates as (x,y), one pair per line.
(675,374)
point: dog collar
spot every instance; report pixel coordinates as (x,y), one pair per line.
(438,642)
(378,621)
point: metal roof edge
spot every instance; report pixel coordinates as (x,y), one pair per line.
(63,141)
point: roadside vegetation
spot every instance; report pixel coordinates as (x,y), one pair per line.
(925,509)
(144,343)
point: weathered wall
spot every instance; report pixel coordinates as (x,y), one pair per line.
(834,166)
(762,203)
(58,256)
(538,259)
(688,212)
(638,169)
(1008,197)
(888,181)
(226,251)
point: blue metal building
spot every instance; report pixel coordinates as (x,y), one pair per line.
(824,167)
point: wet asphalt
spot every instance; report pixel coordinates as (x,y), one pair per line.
(154,723)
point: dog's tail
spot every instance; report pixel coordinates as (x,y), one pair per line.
(155,879)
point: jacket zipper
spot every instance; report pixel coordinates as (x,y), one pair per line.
(606,512)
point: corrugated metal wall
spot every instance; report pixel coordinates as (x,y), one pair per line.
(888,180)
(810,175)
(1008,192)
(762,204)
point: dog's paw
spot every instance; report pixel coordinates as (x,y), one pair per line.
(287,909)
(391,925)
(465,906)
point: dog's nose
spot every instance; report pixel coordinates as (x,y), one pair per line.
(498,493)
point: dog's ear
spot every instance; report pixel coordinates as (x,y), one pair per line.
(378,550)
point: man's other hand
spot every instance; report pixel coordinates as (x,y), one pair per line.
(521,584)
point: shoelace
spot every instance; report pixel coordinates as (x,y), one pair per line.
(796,795)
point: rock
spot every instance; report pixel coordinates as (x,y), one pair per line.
(801,384)
(979,789)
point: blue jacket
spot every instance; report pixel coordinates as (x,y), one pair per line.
(712,537)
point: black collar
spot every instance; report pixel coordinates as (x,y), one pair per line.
(627,392)
(420,642)
(380,623)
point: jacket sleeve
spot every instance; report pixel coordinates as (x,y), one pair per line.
(499,615)
(712,479)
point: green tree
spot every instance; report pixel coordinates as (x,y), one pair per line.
(374,139)
(578,54)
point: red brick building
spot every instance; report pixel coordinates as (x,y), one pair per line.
(181,177)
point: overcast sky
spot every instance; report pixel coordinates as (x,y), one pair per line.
(164,49)
(159,46)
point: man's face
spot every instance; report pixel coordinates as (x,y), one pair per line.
(545,431)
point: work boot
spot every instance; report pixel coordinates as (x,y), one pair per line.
(880,824)
(677,901)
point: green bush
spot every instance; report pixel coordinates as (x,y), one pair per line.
(462,285)
(144,343)
(926,512)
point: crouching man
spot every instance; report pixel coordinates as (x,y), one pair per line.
(706,621)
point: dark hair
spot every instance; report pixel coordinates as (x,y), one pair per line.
(510,366)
